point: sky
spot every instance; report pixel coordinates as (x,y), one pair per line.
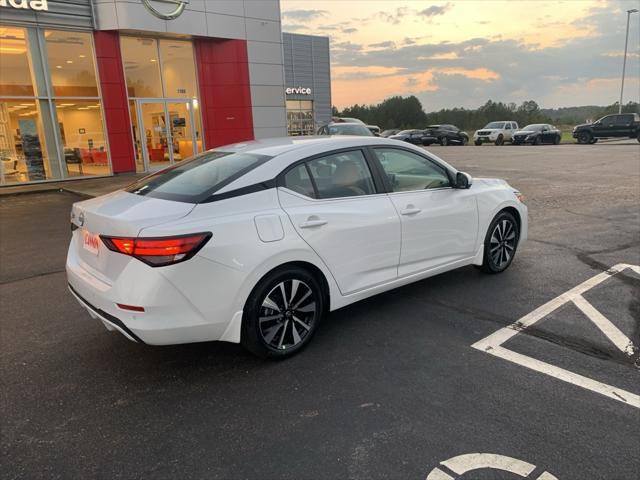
(465,52)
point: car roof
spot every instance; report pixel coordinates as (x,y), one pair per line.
(288,150)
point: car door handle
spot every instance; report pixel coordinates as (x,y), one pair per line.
(410,210)
(313,222)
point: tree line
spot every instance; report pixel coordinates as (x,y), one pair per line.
(407,112)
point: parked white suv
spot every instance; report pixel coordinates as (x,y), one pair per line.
(496,132)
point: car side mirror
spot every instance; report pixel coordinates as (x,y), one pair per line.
(463,180)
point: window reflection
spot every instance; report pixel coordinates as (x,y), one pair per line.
(141,66)
(83,137)
(15,73)
(300,117)
(23,155)
(178,72)
(70,58)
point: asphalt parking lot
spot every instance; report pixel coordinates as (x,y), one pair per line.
(388,389)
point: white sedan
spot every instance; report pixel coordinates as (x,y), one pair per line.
(255,242)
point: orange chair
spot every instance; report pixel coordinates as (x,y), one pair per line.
(156,154)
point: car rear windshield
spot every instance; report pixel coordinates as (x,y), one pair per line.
(349,129)
(195,180)
(496,125)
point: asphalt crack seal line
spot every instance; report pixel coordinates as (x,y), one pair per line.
(493,343)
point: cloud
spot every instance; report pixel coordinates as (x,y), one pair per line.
(435,10)
(467,73)
(305,14)
(349,30)
(387,44)
(393,18)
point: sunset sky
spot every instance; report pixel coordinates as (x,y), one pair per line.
(462,53)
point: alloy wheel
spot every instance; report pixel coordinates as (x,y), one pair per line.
(503,243)
(287,314)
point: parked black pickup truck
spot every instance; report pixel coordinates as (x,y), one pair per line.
(624,125)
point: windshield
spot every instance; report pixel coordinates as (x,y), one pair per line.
(405,132)
(496,125)
(349,129)
(195,180)
(534,126)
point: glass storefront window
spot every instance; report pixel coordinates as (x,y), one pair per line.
(178,72)
(141,67)
(23,153)
(83,137)
(300,117)
(15,72)
(71,64)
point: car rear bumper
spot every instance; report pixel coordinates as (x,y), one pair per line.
(169,317)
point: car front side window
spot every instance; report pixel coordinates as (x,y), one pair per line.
(408,171)
(344,174)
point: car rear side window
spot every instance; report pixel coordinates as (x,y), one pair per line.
(297,179)
(338,175)
(196,180)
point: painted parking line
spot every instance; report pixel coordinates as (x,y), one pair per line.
(485,461)
(493,343)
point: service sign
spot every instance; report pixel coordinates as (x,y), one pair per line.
(297,91)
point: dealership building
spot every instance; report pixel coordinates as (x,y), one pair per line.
(99,87)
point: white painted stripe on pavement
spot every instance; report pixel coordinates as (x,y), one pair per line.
(437,474)
(475,461)
(567,376)
(612,332)
(504,334)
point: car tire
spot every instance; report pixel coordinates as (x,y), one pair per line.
(557,139)
(478,143)
(444,141)
(282,313)
(638,137)
(500,243)
(500,140)
(584,138)
(464,141)
(537,141)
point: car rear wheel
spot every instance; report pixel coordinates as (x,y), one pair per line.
(500,140)
(464,141)
(556,140)
(282,313)
(500,243)
(444,141)
(584,138)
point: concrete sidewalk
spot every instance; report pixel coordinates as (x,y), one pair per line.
(90,187)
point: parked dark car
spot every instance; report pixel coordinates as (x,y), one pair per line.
(388,133)
(537,134)
(624,125)
(445,135)
(411,136)
(357,129)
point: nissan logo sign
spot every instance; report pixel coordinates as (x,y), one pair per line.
(179,6)
(298,91)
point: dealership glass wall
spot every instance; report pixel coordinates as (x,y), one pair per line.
(163,94)
(51,122)
(300,117)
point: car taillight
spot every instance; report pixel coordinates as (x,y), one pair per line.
(158,251)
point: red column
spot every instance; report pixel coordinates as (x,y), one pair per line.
(114,101)
(225,94)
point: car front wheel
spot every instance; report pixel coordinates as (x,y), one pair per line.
(500,243)
(282,313)
(499,140)
(584,138)
(444,141)
(478,143)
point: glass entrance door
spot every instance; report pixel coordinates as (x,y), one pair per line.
(166,132)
